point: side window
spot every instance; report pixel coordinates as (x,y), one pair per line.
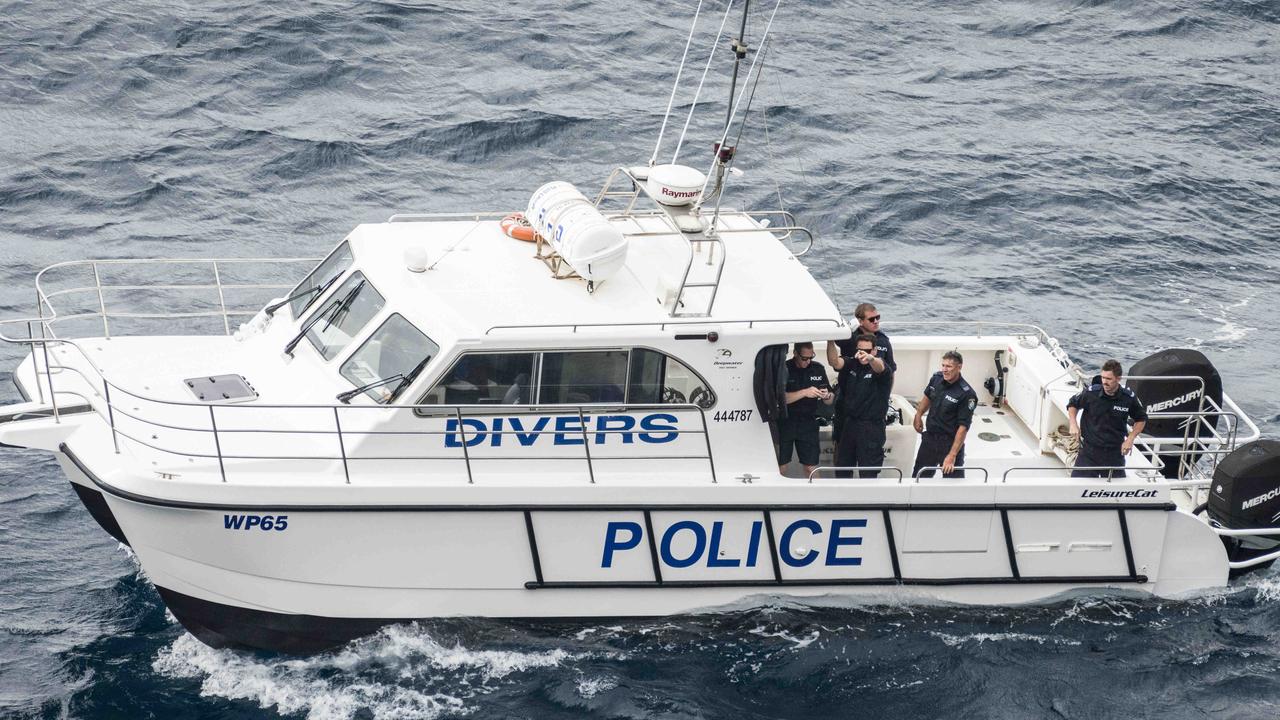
(658,378)
(580,377)
(576,378)
(487,378)
(648,368)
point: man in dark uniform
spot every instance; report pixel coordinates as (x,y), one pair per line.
(950,403)
(807,385)
(866,401)
(840,355)
(1108,408)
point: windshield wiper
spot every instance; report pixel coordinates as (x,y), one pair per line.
(345,305)
(306,328)
(331,313)
(406,379)
(314,292)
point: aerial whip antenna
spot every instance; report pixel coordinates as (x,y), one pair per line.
(723,154)
(653,159)
(675,156)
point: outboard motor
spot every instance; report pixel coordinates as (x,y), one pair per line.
(1176,396)
(1246,494)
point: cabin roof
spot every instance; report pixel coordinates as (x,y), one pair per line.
(481,283)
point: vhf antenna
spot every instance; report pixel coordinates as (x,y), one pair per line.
(724,153)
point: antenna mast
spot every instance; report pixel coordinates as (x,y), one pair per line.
(724,152)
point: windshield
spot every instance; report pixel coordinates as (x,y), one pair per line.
(320,279)
(395,348)
(348,311)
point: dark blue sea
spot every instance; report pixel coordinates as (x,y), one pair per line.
(1107,169)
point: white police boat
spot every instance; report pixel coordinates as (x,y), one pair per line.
(443,420)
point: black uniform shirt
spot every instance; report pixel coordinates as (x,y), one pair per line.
(1105,421)
(800,378)
(950,405)
(848,348)
(866,394)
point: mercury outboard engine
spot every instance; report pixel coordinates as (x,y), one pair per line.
(1246,494)
(1176,396)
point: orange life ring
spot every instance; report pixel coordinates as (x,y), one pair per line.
(515,226)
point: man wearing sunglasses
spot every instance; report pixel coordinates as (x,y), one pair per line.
(866,401)
(807,385)
(842,357)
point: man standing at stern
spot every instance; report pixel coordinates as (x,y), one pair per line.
(840,354)
(1108,408)
(807,385)
(950,403)
(866,402)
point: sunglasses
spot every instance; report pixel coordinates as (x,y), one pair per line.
(873,318)
(806,357)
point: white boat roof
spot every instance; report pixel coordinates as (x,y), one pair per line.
(482,284)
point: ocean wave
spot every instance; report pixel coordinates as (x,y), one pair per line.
(403,671)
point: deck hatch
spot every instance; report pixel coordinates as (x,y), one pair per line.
(221,388)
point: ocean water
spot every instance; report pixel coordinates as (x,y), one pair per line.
(1106,169)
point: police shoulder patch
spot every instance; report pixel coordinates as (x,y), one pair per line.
(1095,387)
(973,403)
(1128,391)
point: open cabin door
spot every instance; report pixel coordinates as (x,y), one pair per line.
(770,383)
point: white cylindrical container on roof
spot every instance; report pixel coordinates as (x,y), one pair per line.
(594,247)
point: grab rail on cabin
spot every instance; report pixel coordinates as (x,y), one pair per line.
(448,217)
(663,326)
(104,297)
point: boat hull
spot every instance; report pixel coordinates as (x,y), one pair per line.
(299,580)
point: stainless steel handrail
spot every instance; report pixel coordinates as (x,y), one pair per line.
(47,312)
(1008,328)
(856,468)
(448,217)
(1150,474)
(663,325)
(461,412)
(986,476)
(709,235)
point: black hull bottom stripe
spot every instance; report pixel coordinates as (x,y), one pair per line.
(35,414)
(227,626)
(100,511)
(839,582)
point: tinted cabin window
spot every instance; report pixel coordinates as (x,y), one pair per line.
(637,377)
(487,378)
(344,315)
(576,378)
(320,279)
(395,348)
(647,370)
(659,378)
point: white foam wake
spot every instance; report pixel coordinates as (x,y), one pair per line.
(980,638)
(402,672)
